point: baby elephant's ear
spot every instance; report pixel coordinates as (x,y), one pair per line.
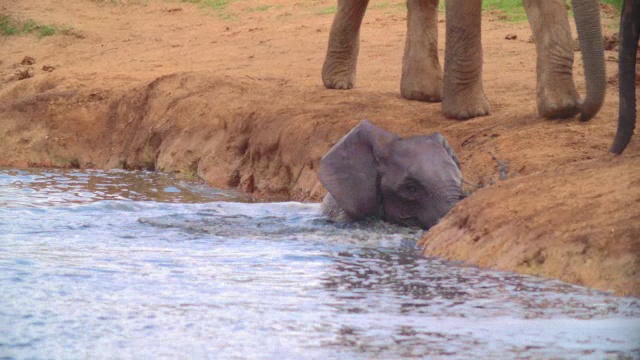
(441,139)
(349,170)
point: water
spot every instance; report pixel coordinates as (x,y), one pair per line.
(141,265)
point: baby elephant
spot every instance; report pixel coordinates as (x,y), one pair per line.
(371,172)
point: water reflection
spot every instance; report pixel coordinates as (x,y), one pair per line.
(54,187)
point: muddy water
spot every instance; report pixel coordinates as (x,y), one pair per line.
(129,265)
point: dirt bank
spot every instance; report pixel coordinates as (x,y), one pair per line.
(234,96)
(579,222)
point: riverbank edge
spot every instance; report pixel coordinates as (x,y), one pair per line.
(578,222)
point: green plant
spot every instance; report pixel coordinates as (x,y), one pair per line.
(217,4)
(122,2)
(508,10)
(218,7)
(261,8)
(10,26)
(327,10)
(511,10)
(46,30)
(616,3)
(389,6)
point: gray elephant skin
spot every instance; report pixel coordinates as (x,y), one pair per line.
(629,34)
(460,88)
(373,173)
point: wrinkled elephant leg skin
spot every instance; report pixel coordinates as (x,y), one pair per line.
(421,71)
(464,96)
(339,69)
(557,97)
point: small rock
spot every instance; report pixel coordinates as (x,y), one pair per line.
(511,37)
(96,97)
(48,68)
(24,73)
(611,41)
(28,60)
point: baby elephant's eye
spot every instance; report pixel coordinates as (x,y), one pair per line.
(411,188)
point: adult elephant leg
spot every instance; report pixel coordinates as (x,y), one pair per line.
(421,71)
(339,70)
(556,91)
(629,35)
(463,93)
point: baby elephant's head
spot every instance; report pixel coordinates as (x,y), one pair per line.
(413,182)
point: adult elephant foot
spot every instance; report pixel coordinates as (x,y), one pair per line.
(421,71)
(465,104)
(421,84)
(557,97)
(339,71)
(463,93)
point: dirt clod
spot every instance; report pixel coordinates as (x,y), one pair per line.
(28,60)
(611,41)
(511,37)
(24,73)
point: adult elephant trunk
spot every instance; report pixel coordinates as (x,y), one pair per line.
(587,16)
(629,32)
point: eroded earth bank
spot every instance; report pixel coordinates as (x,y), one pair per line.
(233,96)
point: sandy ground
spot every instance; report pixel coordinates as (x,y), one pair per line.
(234,97)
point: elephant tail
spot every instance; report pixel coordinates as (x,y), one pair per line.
(587,17)
(629,31)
